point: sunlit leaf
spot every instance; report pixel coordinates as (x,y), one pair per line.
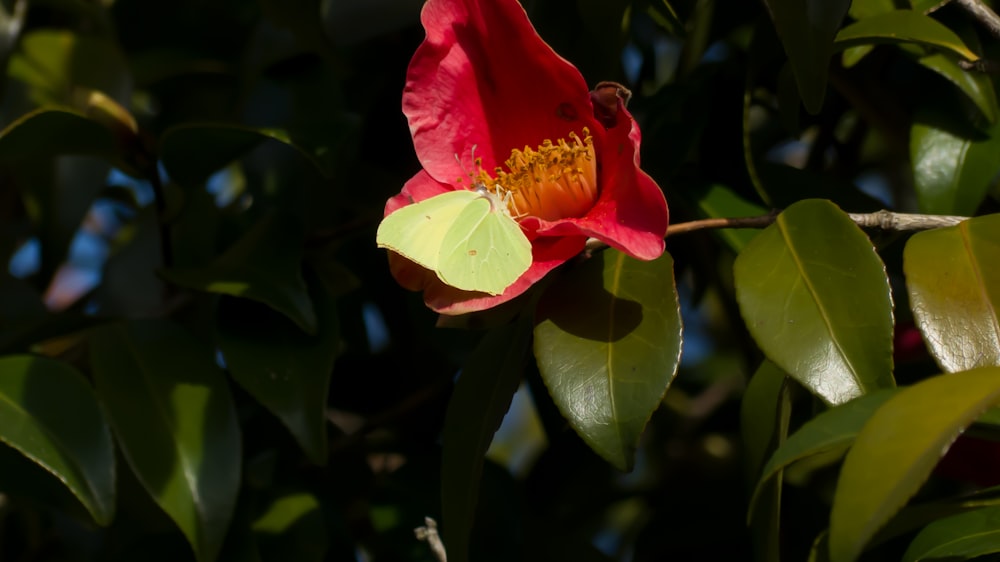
(175,421)
(50,414)
(830,432)
(478,404)
(898,447)
(903,26)
(807,29)
(264,265)
(285,370)
(952,171)
(815,297)
(608,364)
(953,278)
(959,537)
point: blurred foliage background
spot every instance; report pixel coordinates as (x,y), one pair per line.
(152,149)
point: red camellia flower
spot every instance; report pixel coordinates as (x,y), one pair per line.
(490,103)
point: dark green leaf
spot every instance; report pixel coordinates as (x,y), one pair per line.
(285,370)
(478,404)
(764,415)
(897,449)
(903,26)
(52,131)
(815,297)
(175,421)
(49,413)
(953,278)
(807,29)
(829,433)
(959,537)
(976,85)
(192,152)
(952,171)
(264,265)
(608,364)
(861,9)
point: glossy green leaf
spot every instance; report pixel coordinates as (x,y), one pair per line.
(477,406)
(958,537)
(285,370)
(50,414)
(175,421)
(194,151)
(764,415)
(829,433)
(903,26)
(264,265)
(952,172)
(716,201)
(896,450)
(815,297)
(607,365)
(292,527)
(807,29)
(976,85)
(953,278)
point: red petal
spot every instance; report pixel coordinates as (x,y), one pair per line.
(421,186)
(631,213)
(484,77)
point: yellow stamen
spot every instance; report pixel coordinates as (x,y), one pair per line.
(555,181)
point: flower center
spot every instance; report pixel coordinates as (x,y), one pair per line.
(555,181)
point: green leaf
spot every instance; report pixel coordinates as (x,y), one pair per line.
(51,131)
(829,433)
(285,370)
(194,151)
(815,297)
(716,201)
(861,9)
(292,528)
(264,265)
(56,63)
(952,171)
(961,537)
(896,450)
(608,364)
(175,421)
(807,29)
(477,406)
(764,415)
(50,414)
(903,26)
(953,279)
(976,85)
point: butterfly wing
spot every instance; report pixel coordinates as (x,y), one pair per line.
(417,231)
(485,250)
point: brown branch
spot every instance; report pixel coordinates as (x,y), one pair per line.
(883,220)
(983,14)
(430,534)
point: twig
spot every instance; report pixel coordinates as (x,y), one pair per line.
(884,220)
(430,534)
(983,14)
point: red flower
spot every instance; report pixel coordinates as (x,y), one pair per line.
(485,87)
